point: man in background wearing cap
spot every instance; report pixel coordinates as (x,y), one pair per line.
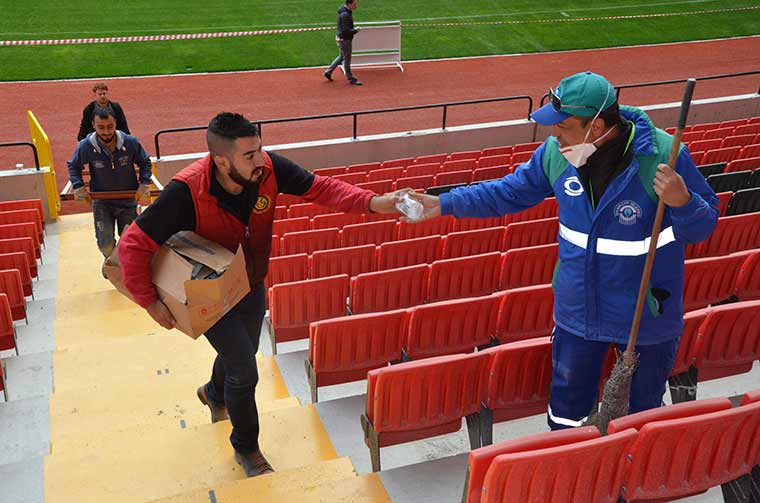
(606,164)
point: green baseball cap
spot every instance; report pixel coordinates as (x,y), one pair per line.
(582,95)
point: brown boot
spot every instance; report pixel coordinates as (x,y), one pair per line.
(218,412)
(254,463)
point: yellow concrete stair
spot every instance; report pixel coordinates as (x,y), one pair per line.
(97,325)
(143,465)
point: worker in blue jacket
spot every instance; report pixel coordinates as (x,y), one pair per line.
(606,164)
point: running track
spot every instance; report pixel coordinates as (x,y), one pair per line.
(154,103)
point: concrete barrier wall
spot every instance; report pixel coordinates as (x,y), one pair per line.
(24,184)
(346,151)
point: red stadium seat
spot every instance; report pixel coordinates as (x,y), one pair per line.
(733,123)
(526,147)
(451,387)
(480,460)
(7,330)
(682,451)
(308,210)
(10,285)
(22,231)
(22,217)
(352,177)
(381,187)
(495,160)
(691,136)
(344,349)
(292,306)
(471,154)
(288,199)
(417,170)
(545,209)
(525,313)
(588,471)
(729,340)
(350,260)
(491,173)
(488,152)
(682,384)
(388,290)
(428,159)
(451,326)
(336,220)
(521,157)
(282,227)
(310,241)
(533,265)
(749,163)
(475,242)
(406,161)
(518,384)
(438,225)
(280,212)
(414,182)
(731,234)
(287,269)
(737,141)
(747,129)
(748,280)
(338,170)
(470,224)
(532,233)
(721,155)
(749,151)
(369,233)
(19,262)
(463,277)
(710,280)
(718,133)
(385,174)
(24,245)
(424,250)
(697,157)
(452,177)
(276,244)
(363,168)
(723,200)
(705,127)
(30,204)
(460,165)
(705,145)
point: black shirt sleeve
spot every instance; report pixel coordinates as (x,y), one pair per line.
(172,212)
(121,119)
(85,127)
(291,178)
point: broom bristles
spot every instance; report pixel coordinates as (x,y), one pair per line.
(617,392)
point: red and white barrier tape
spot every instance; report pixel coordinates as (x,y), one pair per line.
(251,33)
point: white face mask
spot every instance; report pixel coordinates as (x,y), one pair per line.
(578,154)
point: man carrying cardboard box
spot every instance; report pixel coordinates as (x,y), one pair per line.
(229,197)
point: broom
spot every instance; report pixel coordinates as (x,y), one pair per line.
(617,390)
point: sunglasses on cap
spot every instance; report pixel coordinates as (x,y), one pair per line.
(557,102)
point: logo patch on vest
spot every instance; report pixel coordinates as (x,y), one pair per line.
(573,186)
(262,204)
(627,212)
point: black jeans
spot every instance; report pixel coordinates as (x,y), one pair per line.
(107,214)
(234,376)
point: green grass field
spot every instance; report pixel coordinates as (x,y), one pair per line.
(423,35)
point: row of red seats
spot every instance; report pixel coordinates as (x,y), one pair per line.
(656,455)
(732,234)
(344,349)
(725,154)
(733,123)
(721,138)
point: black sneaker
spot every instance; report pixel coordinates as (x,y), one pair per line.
(328,76)
(253,464)
(355,82)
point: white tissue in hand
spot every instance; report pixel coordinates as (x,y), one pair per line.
(409,207)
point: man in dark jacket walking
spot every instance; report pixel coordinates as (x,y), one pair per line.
(100,91)
(344,38)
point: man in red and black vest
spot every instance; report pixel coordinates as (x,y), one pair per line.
(229,197)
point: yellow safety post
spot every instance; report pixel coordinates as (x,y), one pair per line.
(45,155)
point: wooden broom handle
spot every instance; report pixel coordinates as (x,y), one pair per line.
(656,227)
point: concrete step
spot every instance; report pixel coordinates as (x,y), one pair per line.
(270,487)
(104,326)
(141,465)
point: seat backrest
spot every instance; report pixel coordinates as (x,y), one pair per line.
(744,201)
(424,250)
(451,326)
(533,265)
(721,154)
(709,280)
(458,165)
(22,216)
(337,170)
(545,209)
(712,169)
(17,260)
(421,395)
(299,303)
(453,177)
(475,242)
(691,136)
(737,140)
(389,289)
(732,234)
(357,342)
(10,284)
(433,158)
(308,210)
(729,181)
(751,397)
(6,324)
(25,245)
(289,199)
(748,164)
(480,459)
(427,169)
(589,471)
(689,454)
(490,173)
(470,154)
(521,157)
(729,340)
(733,123)
(526,147)
(28,230)
(668,412)
(287,268)
(386,174)
(748,280)
(704,145)
(532,233)
(310,241)
(352,177)
(351,260)
(380,187)
(491,151)
(750,151)
(495,160)
(723,199)
(282,227)
(27,204)
(468,224)
(404,162)
(336,220)
(280,212)
(526,313)
(414,182)
(438,225)
(463,277)
(369,233)
(687,345)
(366,167)
(520,378)
(721,133)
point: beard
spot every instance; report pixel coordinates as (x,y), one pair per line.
(246,183)
(106,139)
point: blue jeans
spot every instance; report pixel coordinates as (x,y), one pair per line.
(107,214)
(345,48)
(234,376)
(577,367)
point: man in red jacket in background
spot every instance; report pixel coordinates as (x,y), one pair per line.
(229,197)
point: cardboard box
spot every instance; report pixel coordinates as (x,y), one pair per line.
(196,304)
